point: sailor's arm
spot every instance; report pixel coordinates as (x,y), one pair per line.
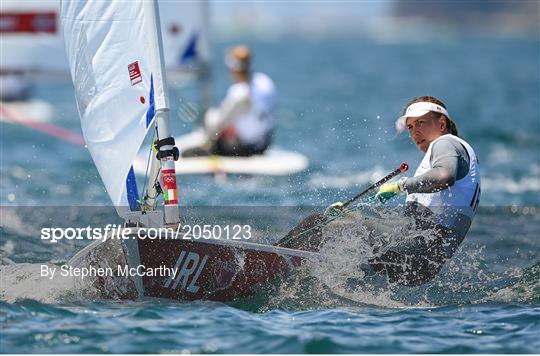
(236,103)
(443,174)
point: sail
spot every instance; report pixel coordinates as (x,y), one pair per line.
(116,68)
(184,26)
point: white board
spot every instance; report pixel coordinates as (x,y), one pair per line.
(274,161)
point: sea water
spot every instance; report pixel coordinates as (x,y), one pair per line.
(338,99)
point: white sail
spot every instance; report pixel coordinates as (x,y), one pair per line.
(113,55)
(186,48)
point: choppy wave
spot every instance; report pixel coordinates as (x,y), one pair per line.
(198,327)
(526,289)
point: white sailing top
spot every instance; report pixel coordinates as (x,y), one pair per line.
(249,108)
(450,204)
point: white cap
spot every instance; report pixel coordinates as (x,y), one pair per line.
(419,109)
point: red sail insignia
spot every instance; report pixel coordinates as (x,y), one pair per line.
(134,73)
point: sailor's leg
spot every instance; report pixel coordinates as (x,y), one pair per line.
(196,152)
(225,146)
(259,149)
(383,232)
(419,259)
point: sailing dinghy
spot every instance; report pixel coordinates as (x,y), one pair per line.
(116,59)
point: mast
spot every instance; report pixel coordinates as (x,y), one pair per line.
(167,152)
(204,64)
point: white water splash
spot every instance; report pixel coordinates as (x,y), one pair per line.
(26,281)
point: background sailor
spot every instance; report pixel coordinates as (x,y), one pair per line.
(243,123)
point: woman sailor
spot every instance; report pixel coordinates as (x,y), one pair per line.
(445,189)
(411,246)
